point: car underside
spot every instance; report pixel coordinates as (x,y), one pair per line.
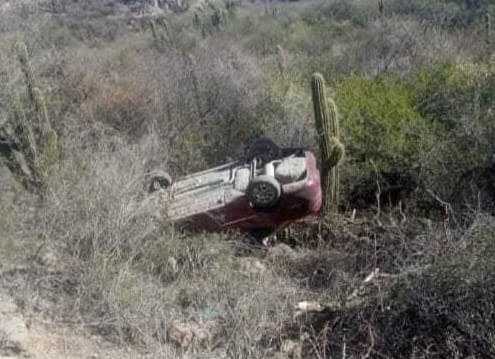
(257,195)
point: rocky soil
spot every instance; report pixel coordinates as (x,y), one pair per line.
(23,336)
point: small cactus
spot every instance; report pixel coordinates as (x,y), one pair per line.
(488,27)
(166,34)
(154,31)
(23,56)
(230,6)
(281,59)
(191,64)
(25,135)
(43,125)
(331,150)
(197,23)
(218,18)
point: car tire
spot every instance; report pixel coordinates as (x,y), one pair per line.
(259,234)
(263,149)
(159,180)
(264,191)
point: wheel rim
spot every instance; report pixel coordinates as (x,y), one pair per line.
(159,183)
(264,193)
(155,185)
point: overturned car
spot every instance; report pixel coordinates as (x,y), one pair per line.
(260,194)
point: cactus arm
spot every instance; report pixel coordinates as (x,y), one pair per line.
(43,125)
(23,56)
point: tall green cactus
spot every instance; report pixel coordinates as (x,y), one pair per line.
(31,144)
(331,149)
(19,148)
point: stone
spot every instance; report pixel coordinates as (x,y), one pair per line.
(281,250)
(13,330)
(187,335)
(306,307)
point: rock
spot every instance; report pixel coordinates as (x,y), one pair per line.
(13,330)
(309,306)
(187,335)
(173,265)
(306,307)
(281,251)
(48,257)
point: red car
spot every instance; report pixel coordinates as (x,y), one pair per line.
(269,189)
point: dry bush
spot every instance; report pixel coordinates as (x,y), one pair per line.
(436,310)
(16,243)
(287,111)
(111,85)
(399,45)
(201,103)
(224,87)
(132,104)
(459,167)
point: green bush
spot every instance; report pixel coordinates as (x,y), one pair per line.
(458,98)
(343,10)
(451,14)
(381,123)
(448,92)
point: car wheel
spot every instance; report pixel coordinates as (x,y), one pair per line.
(264,191)
(159,180)
(259,234)
(263,149)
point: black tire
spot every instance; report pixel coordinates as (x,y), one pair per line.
(264,150)
(264,191)
(158,180)
(258,234)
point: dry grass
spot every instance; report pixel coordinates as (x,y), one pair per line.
(129,276)
(97,251)
(435,310)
